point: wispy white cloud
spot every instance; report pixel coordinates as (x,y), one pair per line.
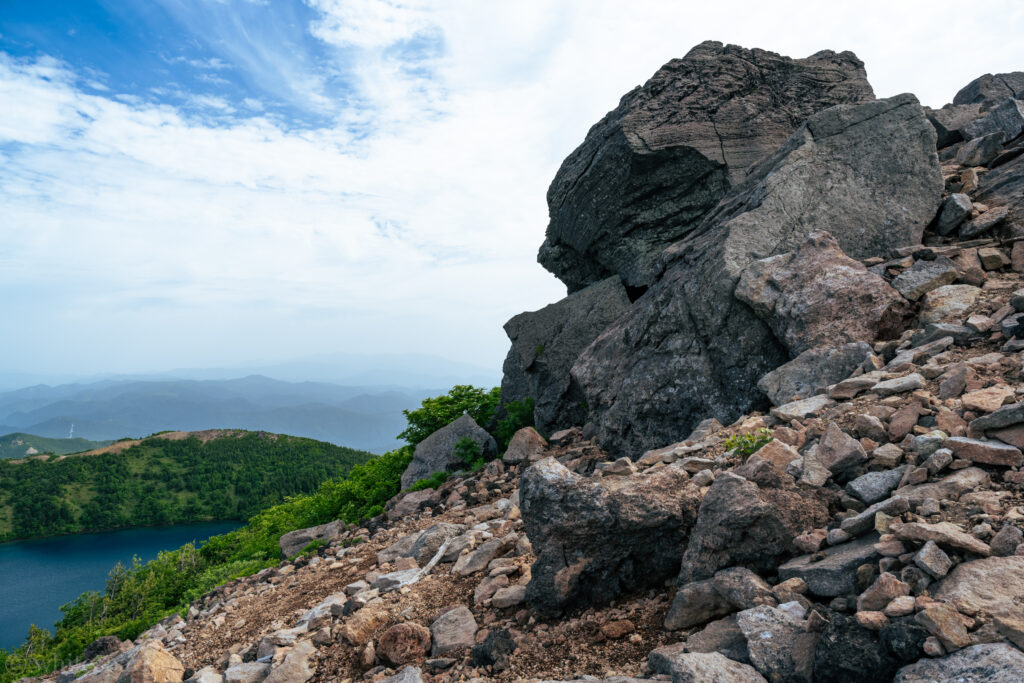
(213,229)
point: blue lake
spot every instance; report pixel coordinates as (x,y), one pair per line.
(38,576)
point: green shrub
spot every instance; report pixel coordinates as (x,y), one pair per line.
(431,482)
(441,411)
(469,453)
(518,414)
(748,444)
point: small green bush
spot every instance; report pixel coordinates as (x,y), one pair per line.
(431,482)
(748,444)
(518,414)
(441,411)
(469,453)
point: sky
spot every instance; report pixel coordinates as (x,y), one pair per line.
(207,183)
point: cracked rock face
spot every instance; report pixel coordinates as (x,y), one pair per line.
(688,349)
(546,343)
(650,169)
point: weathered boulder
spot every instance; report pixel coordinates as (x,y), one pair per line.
(296,666)
(994,585)
(699,667)
(949,302)
(924,276)
(989,663)
(525,446)
(1002,189)
(991,89)
(742,524)
(454,630)
(436,453)
(151,663)
(817,295)
(294,541)
(835,573)
(597,538)
(811,373)
(848,653)
(949,120)
(1007,118)
(688,349)
(780,646)
(651,168)
(546,343)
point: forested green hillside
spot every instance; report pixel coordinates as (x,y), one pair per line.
(19,445)
(162,481)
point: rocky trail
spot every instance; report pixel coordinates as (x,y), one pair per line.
(785,440)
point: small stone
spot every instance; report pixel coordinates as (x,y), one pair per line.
(993,258)
(1005,542)
(984,222)
(875,486)
(955,210)
(926,444)
(945,623)
(881,593)
(938,461)
(942,533)
(900,606)
(872,621)
(987,400)
(899,385)
(932,647)
(614,630)
(985,451)
(924,276)
(837,537)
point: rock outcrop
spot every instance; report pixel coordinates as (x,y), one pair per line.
(651,168)
(436,453)
(546,343)
(688,349)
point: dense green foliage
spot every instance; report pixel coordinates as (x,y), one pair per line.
(748,444)
(440,411)
(20,445)
(160,481)
(518,414)
(137,597)
(431,482)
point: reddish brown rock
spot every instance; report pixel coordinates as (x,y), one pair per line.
(985,451)
(818,296)
(404,643)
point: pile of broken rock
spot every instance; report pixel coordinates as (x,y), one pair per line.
(751,243)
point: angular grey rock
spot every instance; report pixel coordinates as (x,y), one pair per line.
(950,119)
(1003,187)
(651,168)
(700,667)
(875,486)
(525,446)
(410,674)
(454,630)
(989,663)
(696,603)
(724,636)
(1006,118)
(688,349)
(836,573)
(597,538)
(863,522)
(780,647)
(949,302)
(1003,416)
(950,486)
(741,524)
(1006,541)
(436,453)
(811,372)
(294,541)
(546,343)
(411,503)
(924,276)
(817,295)
(296,667)
(838,451)
(932,559)
(984,222)
(991,89)
(955,210)
(249,672)
(980,151)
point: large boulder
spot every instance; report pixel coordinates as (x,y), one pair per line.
(546,343)
(598,538)
(652,167)
(294,541)
(740,523)
(811,373)
(818,295)
(989,663)
(436,453)
(994,586)
(688,348)
(992,89)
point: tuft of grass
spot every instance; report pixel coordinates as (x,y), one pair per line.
(749,443)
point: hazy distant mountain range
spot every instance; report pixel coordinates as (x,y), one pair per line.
(363,417)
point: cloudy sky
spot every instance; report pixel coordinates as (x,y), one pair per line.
(214,182)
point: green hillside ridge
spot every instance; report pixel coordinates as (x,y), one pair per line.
(20,445)
(137,597)
(159,481)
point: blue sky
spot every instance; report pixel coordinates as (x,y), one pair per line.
(189,183)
